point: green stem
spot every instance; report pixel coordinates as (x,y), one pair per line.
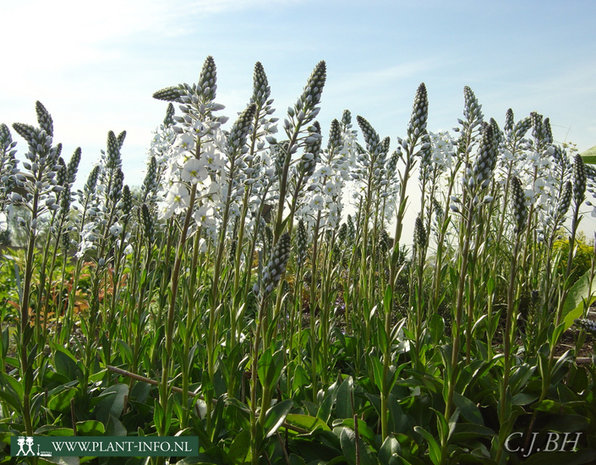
(164,388)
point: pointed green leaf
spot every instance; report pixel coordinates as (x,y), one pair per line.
(306,422)
(347,438)
(343,404)
(389,451)
(469,410)
(574,304)
(434,450)
(90,428)
(276,416)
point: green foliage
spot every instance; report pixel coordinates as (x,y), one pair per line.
(582,259)
(589,155)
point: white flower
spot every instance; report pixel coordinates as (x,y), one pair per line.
(212,190)
(530,195)
(83,247)
(213,161)
(116,229)
(177,199)
(507,156)
(185,142)
(317,202)
(204,216)
(194,171)
(179,195)
(202,245)
(323,171)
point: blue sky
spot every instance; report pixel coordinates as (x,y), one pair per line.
(95,65)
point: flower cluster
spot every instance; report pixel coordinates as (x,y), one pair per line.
(442,150)
(8,164)
(520,212)
(276,265)
(326,184)
(37,185)
(586,324)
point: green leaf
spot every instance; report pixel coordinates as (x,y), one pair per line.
(66,363)
(347,438)
(434,450)
(364,430)
(463,432)
(490,285)
(468,409)
(443,427)
(239,447)
(589,156)
(269,367)
(549,405)
(111,402)
(480,322)
(398,420)
(5,342)
(59,398)
(568,423)
(125,350)
(300,378)
(296,460)
(437,327)
(52,430)
(276,416)
(387,299)
(574,304)
(343,404)
(389,451)
(90,428)
(11,391)
(115,427)
(377,369)
(520,377)
(523,398)
(325,406)
(306,422)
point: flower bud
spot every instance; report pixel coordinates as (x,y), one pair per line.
(169,118)
(277,264)
(472,109)
(261,89)
(370,135)
(419,234)
(126,201)
(314,87)
(44,119)
(519,204)
(564,201)
(579,180)
(169,94)
(509,121)
(207,79)
(301,244)
(147,221)
(586,324)
(241,128)
(419,112)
